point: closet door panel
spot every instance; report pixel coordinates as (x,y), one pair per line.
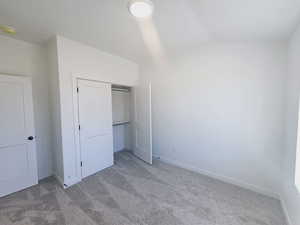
(142,125)
(95,118)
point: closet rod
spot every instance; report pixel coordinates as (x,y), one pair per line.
(121,123)
(120,89)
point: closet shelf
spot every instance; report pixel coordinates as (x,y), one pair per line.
(120,123)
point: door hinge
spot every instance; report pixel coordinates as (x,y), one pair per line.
(77,89)
(81,163)
(78,127)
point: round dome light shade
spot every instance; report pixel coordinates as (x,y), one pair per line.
(141,8)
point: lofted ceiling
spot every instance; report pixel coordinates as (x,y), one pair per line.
(176,24)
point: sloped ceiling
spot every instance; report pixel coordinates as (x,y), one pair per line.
(176,24)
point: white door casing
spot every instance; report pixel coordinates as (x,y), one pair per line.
(95,119)
(18,163)
(142,124)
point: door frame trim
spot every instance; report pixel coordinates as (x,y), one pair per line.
(76,130)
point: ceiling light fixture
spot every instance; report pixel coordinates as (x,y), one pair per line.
(141,8)
(7,29)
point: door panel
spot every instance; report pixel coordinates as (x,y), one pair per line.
(95,118)
(19,156)
(18,168)
(142,122)
(97,154)
(12,114)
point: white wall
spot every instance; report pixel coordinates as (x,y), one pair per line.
(290,195)
(77,59)
(22,58)
(122,137)
(56,138)
(218,109)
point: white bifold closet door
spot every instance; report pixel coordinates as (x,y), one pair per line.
(142,124)
(95,118)
(18,165)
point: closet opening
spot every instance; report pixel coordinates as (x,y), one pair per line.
(110,118)
(122,117)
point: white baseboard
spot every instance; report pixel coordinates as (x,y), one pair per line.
(59,179)
(230,180)
(123,150)
(285,211)
(45,176)
(119,150)
(71,182)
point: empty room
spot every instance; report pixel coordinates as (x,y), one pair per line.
(149,112)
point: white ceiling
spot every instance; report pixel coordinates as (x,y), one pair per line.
(107,25)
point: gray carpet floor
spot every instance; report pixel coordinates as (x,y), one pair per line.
(134,193)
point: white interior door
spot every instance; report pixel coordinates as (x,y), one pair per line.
(95,118)
(142,125)
(18,166)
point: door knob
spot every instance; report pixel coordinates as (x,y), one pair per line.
(30,138)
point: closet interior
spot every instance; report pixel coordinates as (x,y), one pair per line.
(122,117)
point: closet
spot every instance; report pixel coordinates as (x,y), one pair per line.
(111,118)
(121,118)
